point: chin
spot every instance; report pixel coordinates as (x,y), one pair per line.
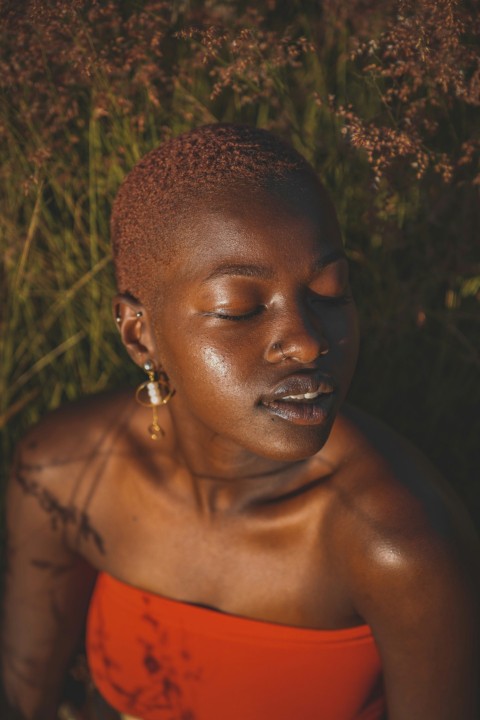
(294,444)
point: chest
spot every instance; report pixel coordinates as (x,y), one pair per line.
(269,564)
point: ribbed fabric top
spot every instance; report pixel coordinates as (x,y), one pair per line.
(161,659)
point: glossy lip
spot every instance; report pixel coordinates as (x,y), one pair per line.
(300,384)
(309,412)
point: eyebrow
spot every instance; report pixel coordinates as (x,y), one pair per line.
(256,271)
(266,273)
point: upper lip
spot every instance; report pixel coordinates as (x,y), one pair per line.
(300,385)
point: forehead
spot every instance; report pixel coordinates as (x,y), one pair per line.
(256,226)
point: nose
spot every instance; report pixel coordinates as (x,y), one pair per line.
(297,337)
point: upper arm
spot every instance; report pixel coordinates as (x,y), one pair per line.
(419,591)
(47,589)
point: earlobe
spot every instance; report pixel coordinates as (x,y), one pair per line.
(134,327)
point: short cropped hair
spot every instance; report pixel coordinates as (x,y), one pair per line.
(176,176)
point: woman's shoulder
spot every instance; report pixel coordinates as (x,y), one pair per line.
(62,466)
(389,485)
(70,443)
(409,559)
(77,427)
(380,465)
(395,519)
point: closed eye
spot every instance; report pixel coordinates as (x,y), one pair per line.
(330,299)
(237,318)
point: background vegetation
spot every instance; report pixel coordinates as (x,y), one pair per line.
(382,97)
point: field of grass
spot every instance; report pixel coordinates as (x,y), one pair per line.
(381,97)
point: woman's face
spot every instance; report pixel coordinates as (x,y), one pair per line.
(257,329)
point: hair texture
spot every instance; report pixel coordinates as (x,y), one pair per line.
(171,180)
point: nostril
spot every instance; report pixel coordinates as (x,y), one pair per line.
(297,337)
(277,346)
(301,348)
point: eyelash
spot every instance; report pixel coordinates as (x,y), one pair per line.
(340,300)
(238,318)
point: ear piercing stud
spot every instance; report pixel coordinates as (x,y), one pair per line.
(138,314)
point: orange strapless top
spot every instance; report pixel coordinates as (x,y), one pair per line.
(160,659)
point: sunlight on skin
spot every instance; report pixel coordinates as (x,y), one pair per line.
(386,554)
(215,360)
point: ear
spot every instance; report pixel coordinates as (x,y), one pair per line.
(135,329)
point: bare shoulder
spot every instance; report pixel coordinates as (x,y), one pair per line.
(411,564)
(76,428)
(61,458)
(394,489)
(396,503)
(54,545)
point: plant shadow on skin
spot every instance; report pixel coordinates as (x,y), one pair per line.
(65,507)
(60,516)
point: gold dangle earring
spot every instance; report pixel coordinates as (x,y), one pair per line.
(154,392)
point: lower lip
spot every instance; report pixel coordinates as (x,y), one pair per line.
(303,413)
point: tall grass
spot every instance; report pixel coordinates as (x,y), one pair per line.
(382,99)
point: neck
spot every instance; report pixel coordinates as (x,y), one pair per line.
(223,477)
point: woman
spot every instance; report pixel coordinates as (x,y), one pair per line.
(258,549)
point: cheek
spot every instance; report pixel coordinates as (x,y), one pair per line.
(205,372)
(214,362)
(224,372)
